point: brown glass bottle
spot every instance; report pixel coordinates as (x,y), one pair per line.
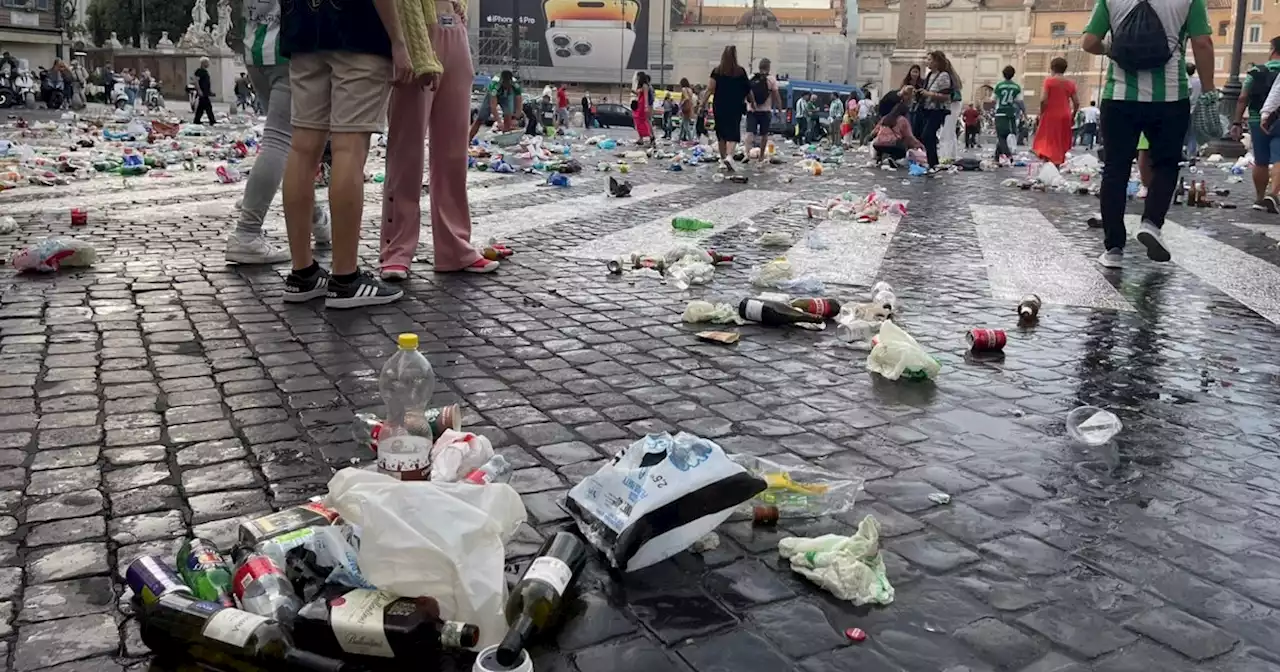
(179,624)
(350,623)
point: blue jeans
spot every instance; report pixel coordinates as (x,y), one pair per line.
(1266,147)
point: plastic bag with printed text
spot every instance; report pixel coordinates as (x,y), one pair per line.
(657,497)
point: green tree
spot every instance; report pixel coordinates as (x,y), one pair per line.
(125,17)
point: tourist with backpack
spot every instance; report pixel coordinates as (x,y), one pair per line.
(1253,95)
(1146,92)
(762,100)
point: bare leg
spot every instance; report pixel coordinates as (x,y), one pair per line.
(300,192)
(346,198)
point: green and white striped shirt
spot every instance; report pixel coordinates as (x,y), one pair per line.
(1181,19)
(262,33)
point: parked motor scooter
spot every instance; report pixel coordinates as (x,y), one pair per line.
(8,97)
(154,101)
(52,96)
(119,98)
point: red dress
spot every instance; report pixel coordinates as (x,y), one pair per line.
(640,115)
(1053,137)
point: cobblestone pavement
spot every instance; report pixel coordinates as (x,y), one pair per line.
(163,392)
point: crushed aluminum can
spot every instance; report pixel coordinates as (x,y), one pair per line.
(986,340)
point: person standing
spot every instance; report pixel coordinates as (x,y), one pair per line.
(916,82)
(434,104)
(729,86)
(270,70)
(935,104)
(668,113)
(1058,106)
(640,110)
(343,58)
(802,118)
(762,100)
(506,100)
(866,119)
(1153,101)
(1253,95)
(972,126)
(587,118)
(836,113)
(1089,132)
(562,106)
(815,118)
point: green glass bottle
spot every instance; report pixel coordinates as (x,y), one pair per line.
(205,572)
(690,224)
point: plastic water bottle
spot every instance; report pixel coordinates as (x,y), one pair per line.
(406,384)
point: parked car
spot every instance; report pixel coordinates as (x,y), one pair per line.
(613,114)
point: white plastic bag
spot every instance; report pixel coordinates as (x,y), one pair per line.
(705,311)
(50,254)
(456,454)
(773,273)
(657,497)
(775,239)
(8,224)
(443,540)
(897,355)
(850,567)
(1049,174)
(687,272)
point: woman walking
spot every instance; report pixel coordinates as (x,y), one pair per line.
(438,105)
(686,110)
(640,110)
(728,90)
(936,103)
(1058,107)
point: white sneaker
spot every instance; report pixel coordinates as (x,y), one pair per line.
(1113,258)
(321,231)
(1149,235)
(243,249)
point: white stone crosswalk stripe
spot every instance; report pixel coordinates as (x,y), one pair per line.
(1026,254)
(1240,275)
(657,235)
(1269,230)
(510,222)
(853,252)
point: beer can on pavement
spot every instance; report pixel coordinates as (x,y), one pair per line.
(986,340)
(444,417)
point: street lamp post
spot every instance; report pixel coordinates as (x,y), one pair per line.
(1226,145)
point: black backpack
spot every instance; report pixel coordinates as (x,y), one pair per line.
(760,88)
(1140,41)
(1260,83)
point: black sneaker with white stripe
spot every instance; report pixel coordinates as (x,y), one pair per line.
(298,289)
(365,290)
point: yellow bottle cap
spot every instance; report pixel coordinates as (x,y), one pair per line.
(408,341)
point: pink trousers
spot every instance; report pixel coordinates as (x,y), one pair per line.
(445,115)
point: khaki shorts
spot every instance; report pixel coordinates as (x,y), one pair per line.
(340,92)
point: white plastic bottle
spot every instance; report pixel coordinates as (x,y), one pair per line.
(406,384)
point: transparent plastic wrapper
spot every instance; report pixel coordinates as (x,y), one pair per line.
(685,273)
(456,454)
(775,239)
(1092,426)
(850,567)
(8,224)
(799,491)
(1048,174)
(657,497)
(686,252)
(324,554)
(774,272)
(897,355)
(443,540)
(50,254)
(806,285)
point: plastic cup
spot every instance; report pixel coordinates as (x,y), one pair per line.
(1092,426)
(487,661)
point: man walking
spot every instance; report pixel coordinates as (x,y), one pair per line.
(204,93)
(1145,100)
(269,72)
(343,58)
(1252,96)
(972,125)
(1008,94)
(815,118)
(562,106)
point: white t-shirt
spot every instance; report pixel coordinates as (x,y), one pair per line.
(1091,114)
(864,108)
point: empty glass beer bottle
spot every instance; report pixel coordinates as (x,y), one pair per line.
(535,601)
(228,638)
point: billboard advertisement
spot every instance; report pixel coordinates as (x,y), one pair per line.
(589,37)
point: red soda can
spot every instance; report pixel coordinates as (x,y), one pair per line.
(79,217)
(719,258)
(986,340)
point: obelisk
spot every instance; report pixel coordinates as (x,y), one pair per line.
(909,49)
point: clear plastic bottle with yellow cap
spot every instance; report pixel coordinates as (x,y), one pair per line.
(406,383)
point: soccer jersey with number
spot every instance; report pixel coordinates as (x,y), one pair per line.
(1181,19)
(1007,93)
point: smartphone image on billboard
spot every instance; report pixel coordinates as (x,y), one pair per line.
(601,44)
(591,10)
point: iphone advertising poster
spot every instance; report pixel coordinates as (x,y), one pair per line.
(588,36)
